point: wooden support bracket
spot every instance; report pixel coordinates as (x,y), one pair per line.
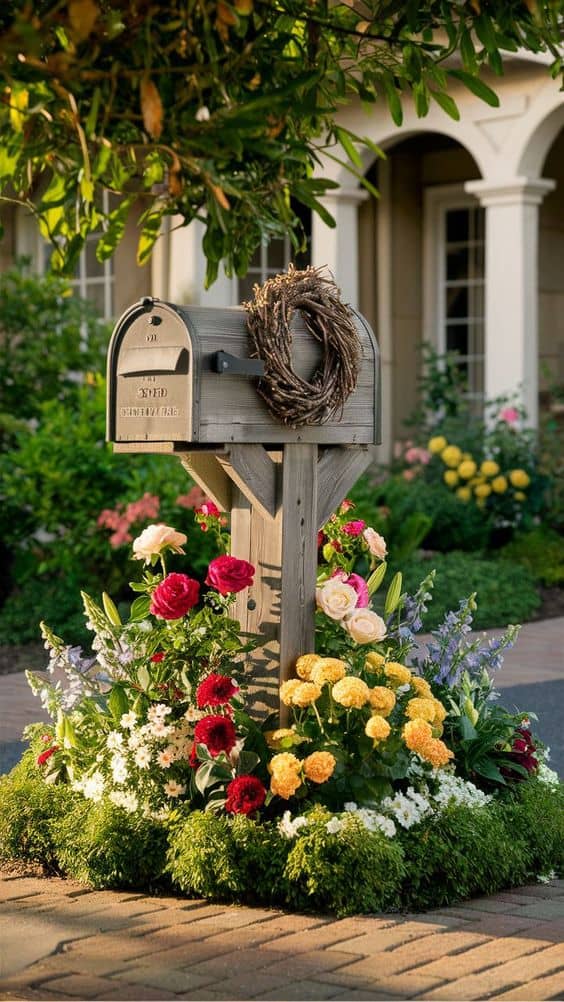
(337,471)
(255,474)
(206,470)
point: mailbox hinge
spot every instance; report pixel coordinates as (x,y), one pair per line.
(225,364)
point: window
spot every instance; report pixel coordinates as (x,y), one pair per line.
(273,257)
(455,282)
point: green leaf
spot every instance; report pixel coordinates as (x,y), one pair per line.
(149,235)
(350,149)
(477,86)
(303,194)
(118,703)
(446,102)
(394,101)
(110,609)
(376,578)
(485,32)
(467,729)
(393,596)
(144,678)
(140,608)
(114,230)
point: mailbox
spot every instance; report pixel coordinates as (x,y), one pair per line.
(180,378)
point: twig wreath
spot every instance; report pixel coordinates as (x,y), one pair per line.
(290,399)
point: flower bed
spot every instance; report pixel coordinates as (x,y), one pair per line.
(397,782)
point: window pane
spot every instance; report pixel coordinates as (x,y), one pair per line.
(457,224)
(94,269)
(457,338)
(457,264)
(457,302)
(246,287)
(477,261)
(96,295)
(276,255)
(255,260)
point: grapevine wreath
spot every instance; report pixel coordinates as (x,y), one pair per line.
(292,400)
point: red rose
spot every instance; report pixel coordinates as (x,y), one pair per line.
(229,574)
(42,759)
(158,657)
(174,596)
(245,795)
(215,690)
(354,528)
(216,733)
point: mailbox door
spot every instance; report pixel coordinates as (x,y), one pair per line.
(150,376)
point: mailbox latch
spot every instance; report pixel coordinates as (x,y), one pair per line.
(226,364)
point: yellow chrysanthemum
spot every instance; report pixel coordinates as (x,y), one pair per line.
(519,479)
(275,738)
(467,469)
(489,468)
(422,687)
(437,444)
(397,674)
(328,670)
(374,661)
(519,496)
(499,484)
(285,770)
(287,690)
(450,478)
(305,694)
(382,699)
(464,493)
(319,766)
(437,753)
(440,711)
(351,692)
(416,734)
(482,490)
(420,709)
(451,456)
(283,762)
(305,665)
(377,728)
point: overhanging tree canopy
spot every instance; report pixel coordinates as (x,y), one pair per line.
(220,110)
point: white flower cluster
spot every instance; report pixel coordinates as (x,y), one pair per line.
(290,828)
(455,790)
(547,775)
(373,821)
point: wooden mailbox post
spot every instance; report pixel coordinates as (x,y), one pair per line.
(180,381)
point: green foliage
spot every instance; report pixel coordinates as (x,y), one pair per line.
(464,852)
(221,108)
(102,845)
(541,551)
(354,872)
(534,816)
(47,338)
(503,596)
(29,808)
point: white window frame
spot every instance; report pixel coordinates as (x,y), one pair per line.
(437,201)
(260,273)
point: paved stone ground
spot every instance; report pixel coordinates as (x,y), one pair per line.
(59,940)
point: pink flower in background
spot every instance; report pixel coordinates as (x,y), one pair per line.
(509,414)
(347,504)
(146,507)
(409,474)
(120,536)
(193,499)
(354,528)
(417,455)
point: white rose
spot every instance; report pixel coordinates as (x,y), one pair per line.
(376,543)
(336,599)
(365,626)
(154,539)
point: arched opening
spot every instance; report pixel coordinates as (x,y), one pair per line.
(551,282)
(421,266)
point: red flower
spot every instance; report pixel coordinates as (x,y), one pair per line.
(174,596)
(215,690)
(245,795)
(216,733)
(354,528)
(42,759)
(208,510)
(229,574)
(159,656)
(347,504)
(320,538)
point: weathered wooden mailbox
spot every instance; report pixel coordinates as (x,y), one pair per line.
(181,380)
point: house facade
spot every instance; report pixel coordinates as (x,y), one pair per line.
(464,248)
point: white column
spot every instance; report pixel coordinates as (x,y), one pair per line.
(511,308)
(337,249)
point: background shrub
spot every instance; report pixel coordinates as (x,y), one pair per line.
(541,551)
(29,811)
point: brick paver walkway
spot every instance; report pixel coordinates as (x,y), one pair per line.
(59,940)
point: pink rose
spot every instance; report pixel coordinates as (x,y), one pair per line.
(229,574)
(376,543)
(354,528)
(174,596)
(365,626)
(509,414)
(359,584)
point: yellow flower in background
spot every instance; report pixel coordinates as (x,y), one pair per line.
(422,687)
(285,770)
(519,496)
(382,699)
(489,468)
(466,455)
(374,661)
(450,478)
(417,733)
(420,708)
(464,493)
(274,739)
(287,690)
(351,692)
(437,444)
(437,753)
(440,711)
(328,670)
(305,664)
(305,694)
(519,479)
(451,456)
(482,491)
(397,674)
(319,766)
(467,469)
(499,484)
(377,728)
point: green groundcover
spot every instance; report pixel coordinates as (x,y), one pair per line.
(462,852)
